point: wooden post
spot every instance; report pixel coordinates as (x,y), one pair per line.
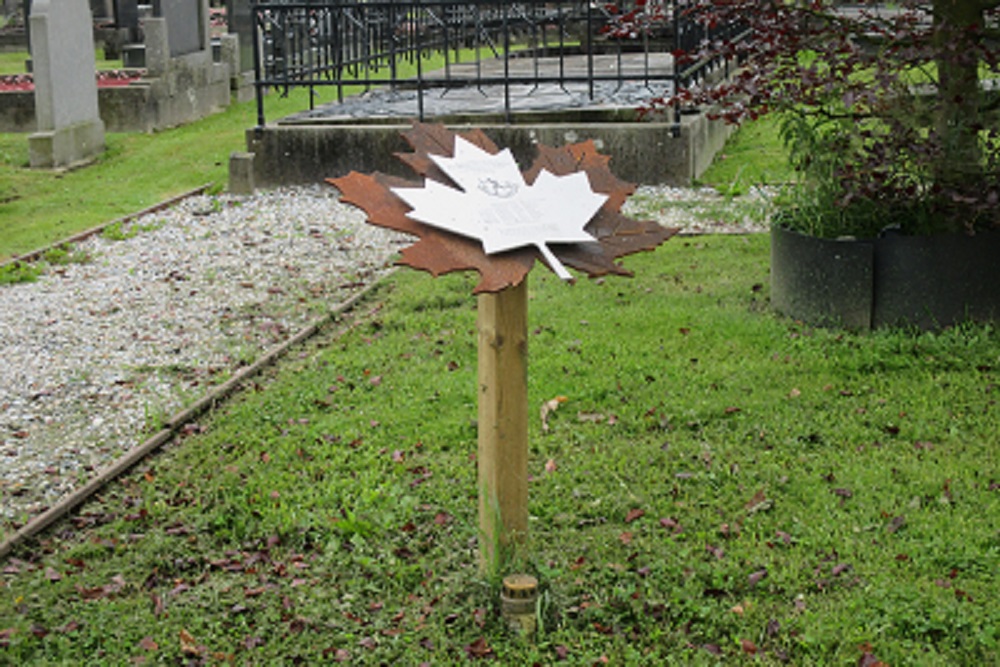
(503,422)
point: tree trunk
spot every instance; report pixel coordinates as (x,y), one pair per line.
(958,27)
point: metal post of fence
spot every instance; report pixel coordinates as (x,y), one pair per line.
(645,47)
(477,49)
(445,20)
(678,50)
(562,47)
(506,63)
(590,49)
(420,70)
(258,35)
(391,21)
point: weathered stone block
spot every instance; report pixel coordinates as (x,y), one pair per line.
(66,146)
(241,177)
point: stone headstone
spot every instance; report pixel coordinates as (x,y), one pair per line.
(241,22)
(134,56)
(185,21)
(156,46)
(100,9)
(129,47)
(70,129)
(228,47)
(127,17)
(26,13)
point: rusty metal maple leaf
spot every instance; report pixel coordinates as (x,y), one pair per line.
(440,251)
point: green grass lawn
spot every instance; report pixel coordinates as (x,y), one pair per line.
(753,156)
(721,484)
(12,62)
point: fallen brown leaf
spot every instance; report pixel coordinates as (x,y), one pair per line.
(634,514)
(548,407)
(188,644)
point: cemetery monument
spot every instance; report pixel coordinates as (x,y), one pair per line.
(70,129)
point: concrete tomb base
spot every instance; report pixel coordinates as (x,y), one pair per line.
(67,146)
(645,153)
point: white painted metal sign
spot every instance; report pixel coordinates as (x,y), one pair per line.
(497,207)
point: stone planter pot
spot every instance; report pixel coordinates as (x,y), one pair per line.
(924,281)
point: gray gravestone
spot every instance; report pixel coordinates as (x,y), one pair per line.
(127,17)
(241,173)
(26,12)
(99,9)
(156,46)
(133,54)
(70,129)
(241,22)
(185,21)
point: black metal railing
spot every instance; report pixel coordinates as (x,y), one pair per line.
(368,43)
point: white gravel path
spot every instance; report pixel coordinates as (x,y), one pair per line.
(93,353)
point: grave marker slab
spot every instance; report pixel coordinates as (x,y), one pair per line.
(127,17)
(185,25)
(70,129)
(100,9)
(241,22)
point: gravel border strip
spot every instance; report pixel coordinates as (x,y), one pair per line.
(36,254)
(175,423)
(139,324)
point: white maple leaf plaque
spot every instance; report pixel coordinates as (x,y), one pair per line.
(497,207)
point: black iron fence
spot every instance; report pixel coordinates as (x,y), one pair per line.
(395,43)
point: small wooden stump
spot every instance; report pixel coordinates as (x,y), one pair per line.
(503,422)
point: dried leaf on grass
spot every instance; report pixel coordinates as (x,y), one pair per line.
(189,646)
(548,407)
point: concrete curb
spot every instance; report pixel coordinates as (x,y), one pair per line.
(646,153)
